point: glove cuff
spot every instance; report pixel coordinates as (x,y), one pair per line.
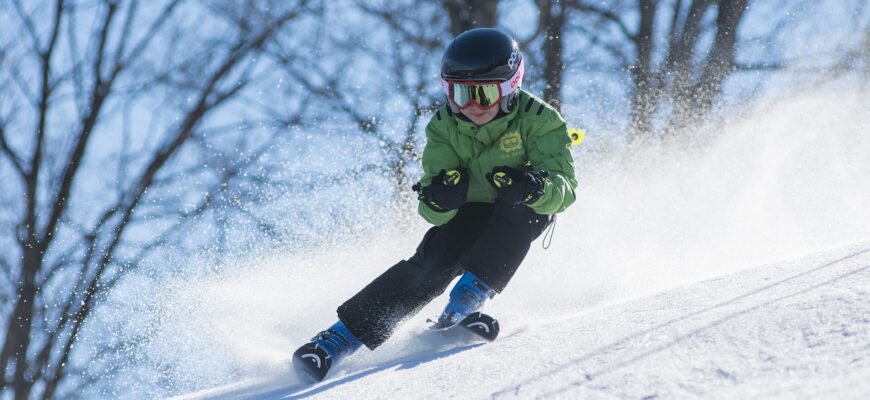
(427,194)
(538,183)
(434,206)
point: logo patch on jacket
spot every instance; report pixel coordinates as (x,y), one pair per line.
(511,144)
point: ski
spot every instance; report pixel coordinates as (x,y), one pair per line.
(481,325)
(311,363)
(477,323)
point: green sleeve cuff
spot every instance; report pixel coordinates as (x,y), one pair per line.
(558,195)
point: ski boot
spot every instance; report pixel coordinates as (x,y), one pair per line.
(466,298)
(314,359)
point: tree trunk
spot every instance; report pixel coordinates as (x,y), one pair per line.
(720,63)
(42,331)
(644,99)
(465,15)
(553,21)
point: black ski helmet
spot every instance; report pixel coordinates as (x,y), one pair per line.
(484,54)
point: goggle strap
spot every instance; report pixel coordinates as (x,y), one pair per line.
(506,87)
(445,86)
(515,81)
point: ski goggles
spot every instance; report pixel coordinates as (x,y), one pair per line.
(484,94)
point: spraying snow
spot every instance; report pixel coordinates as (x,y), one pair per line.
(788,179)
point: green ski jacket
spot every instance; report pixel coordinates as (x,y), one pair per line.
(533,133)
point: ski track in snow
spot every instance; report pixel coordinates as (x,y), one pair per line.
(794,329)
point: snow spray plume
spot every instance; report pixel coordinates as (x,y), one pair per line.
(789,178)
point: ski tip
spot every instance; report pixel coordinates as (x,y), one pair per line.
(482,325)
(311,363)
(477,323)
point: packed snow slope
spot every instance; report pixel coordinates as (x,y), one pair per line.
(786,179)
(793,329)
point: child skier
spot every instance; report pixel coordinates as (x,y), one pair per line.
(497,166)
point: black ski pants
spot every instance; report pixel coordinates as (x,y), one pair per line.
(489,240)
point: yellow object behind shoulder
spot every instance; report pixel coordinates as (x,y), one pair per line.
(576,135)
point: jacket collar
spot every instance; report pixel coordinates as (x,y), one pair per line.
(488,133)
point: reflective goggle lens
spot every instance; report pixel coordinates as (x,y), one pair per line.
(484,95)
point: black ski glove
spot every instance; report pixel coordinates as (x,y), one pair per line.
(517,186)
(447,191)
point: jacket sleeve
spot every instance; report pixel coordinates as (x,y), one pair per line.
(437,155)
(550,150)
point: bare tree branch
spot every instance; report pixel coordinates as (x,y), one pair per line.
(38,344)
(10,154)
(393,19)
(207,101)
(7,272)
(606,14)
(29,26)
(364,123)
(98,94)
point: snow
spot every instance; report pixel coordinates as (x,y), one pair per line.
(739,271)
(798,328)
